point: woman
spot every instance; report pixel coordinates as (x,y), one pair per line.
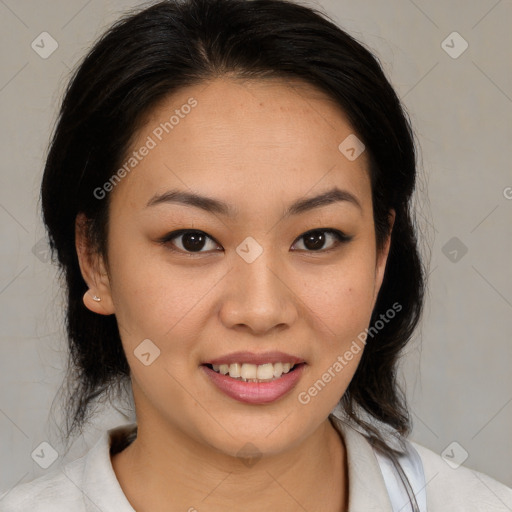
(228,195)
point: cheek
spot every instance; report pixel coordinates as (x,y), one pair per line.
(341,298)
(341,309)
(340,302)
(152,298)
(342,305)
(172,306)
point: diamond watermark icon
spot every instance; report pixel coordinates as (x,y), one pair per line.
(41,251)
(351,147)
(454,45)
(44,45)
(44,455)
(249,454)
(454,249)
(454,455)
(146,352)
(249,249)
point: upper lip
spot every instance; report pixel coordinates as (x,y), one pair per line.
(257,359)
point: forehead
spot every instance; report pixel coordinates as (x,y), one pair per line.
(243,141)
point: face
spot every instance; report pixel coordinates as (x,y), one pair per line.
(253,279)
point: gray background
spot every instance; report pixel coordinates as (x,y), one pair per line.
(457,369)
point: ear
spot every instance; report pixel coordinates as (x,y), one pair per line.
(93,270)
(382,258)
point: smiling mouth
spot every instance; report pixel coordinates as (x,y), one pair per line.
(247,372)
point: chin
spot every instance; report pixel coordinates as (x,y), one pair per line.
(265,435)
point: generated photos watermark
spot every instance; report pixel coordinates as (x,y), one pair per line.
(342,361)
(151,143)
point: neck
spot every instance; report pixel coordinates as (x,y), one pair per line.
(158,469)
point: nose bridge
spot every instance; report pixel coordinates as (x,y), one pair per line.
(258,297)
(261,277)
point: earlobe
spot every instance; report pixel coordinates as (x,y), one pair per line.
(98,298)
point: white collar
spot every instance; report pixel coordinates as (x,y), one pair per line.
(102,491)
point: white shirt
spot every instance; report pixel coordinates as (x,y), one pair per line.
(89,483)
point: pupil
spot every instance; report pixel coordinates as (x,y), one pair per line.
(193,241)
(314,240)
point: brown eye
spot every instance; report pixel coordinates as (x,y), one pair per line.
(189,241)
(315,240)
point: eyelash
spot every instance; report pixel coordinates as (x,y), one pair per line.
(341,238)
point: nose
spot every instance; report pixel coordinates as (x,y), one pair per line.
(259,297)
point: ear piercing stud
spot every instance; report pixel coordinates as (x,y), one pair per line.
(96,298)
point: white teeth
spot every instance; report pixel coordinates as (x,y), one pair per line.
(265,371)
(278,370)
(249,371)
(253,372)
(235,370)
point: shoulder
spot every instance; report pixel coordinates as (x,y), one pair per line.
(460,488)
(87,483)
(55,492)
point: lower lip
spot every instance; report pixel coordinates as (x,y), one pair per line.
(255,392)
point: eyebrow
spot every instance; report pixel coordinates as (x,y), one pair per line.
(215,206)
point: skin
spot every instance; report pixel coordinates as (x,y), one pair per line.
(257,146)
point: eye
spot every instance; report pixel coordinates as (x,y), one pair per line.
(193,241)
(315,239)
(188,241)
